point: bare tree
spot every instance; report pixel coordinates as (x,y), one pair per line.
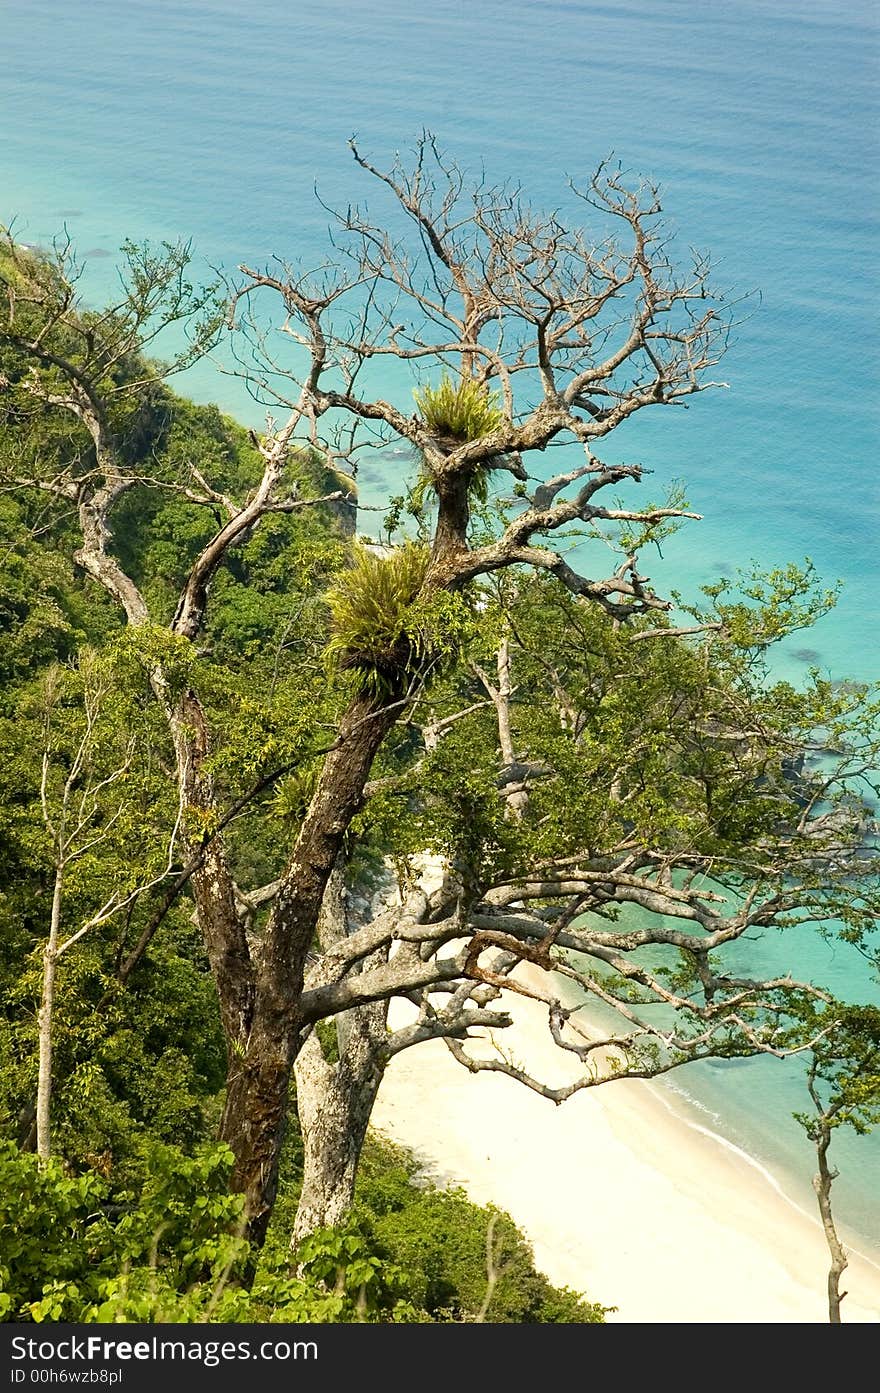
(513,299)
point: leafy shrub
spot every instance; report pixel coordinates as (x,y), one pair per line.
(467,1261)
(171,1248)
(74,1252)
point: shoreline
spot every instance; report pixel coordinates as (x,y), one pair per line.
(621,1195)
(690,1111)
(679,1110)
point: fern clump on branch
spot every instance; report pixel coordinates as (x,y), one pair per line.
(459,411)
(376,637)
(294,794)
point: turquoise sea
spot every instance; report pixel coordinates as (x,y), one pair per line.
(213,120)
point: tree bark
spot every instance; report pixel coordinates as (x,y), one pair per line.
(822,1185)
(255,1114)
(334,1102)
(338,797)
(257,1091)
(453,516)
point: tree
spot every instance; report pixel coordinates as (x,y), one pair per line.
(107,386)
(84,806)
(657,764)
(843,1080)
(547,286)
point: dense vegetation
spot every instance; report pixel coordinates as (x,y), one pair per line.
(164,1243)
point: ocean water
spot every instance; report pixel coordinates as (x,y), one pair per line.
(214,120)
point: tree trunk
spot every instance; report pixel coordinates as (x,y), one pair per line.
(334,1103)
(338,797)
(822,1185)
(259,1023)
(47,1004)
(255,1114)
(335,1100)
(517,799)
(259,1082)
(453,516)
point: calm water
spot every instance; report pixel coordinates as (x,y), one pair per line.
(213,120)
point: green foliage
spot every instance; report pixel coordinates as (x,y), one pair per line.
(43,1220)
(150,1059)
(376,635)
(170,1248)
(385,629)
(460,410)
(651,744)
(682,746)
(633,537)
(456,412)
(45,612)
(366,1285)
(156,294)
(758,608)
(73,1253)
(448,1246)
(398,1227)
(293,795)
(845,1068)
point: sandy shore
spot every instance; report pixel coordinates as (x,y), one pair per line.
(621,1198)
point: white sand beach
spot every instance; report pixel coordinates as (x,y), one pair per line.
(621,1198)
